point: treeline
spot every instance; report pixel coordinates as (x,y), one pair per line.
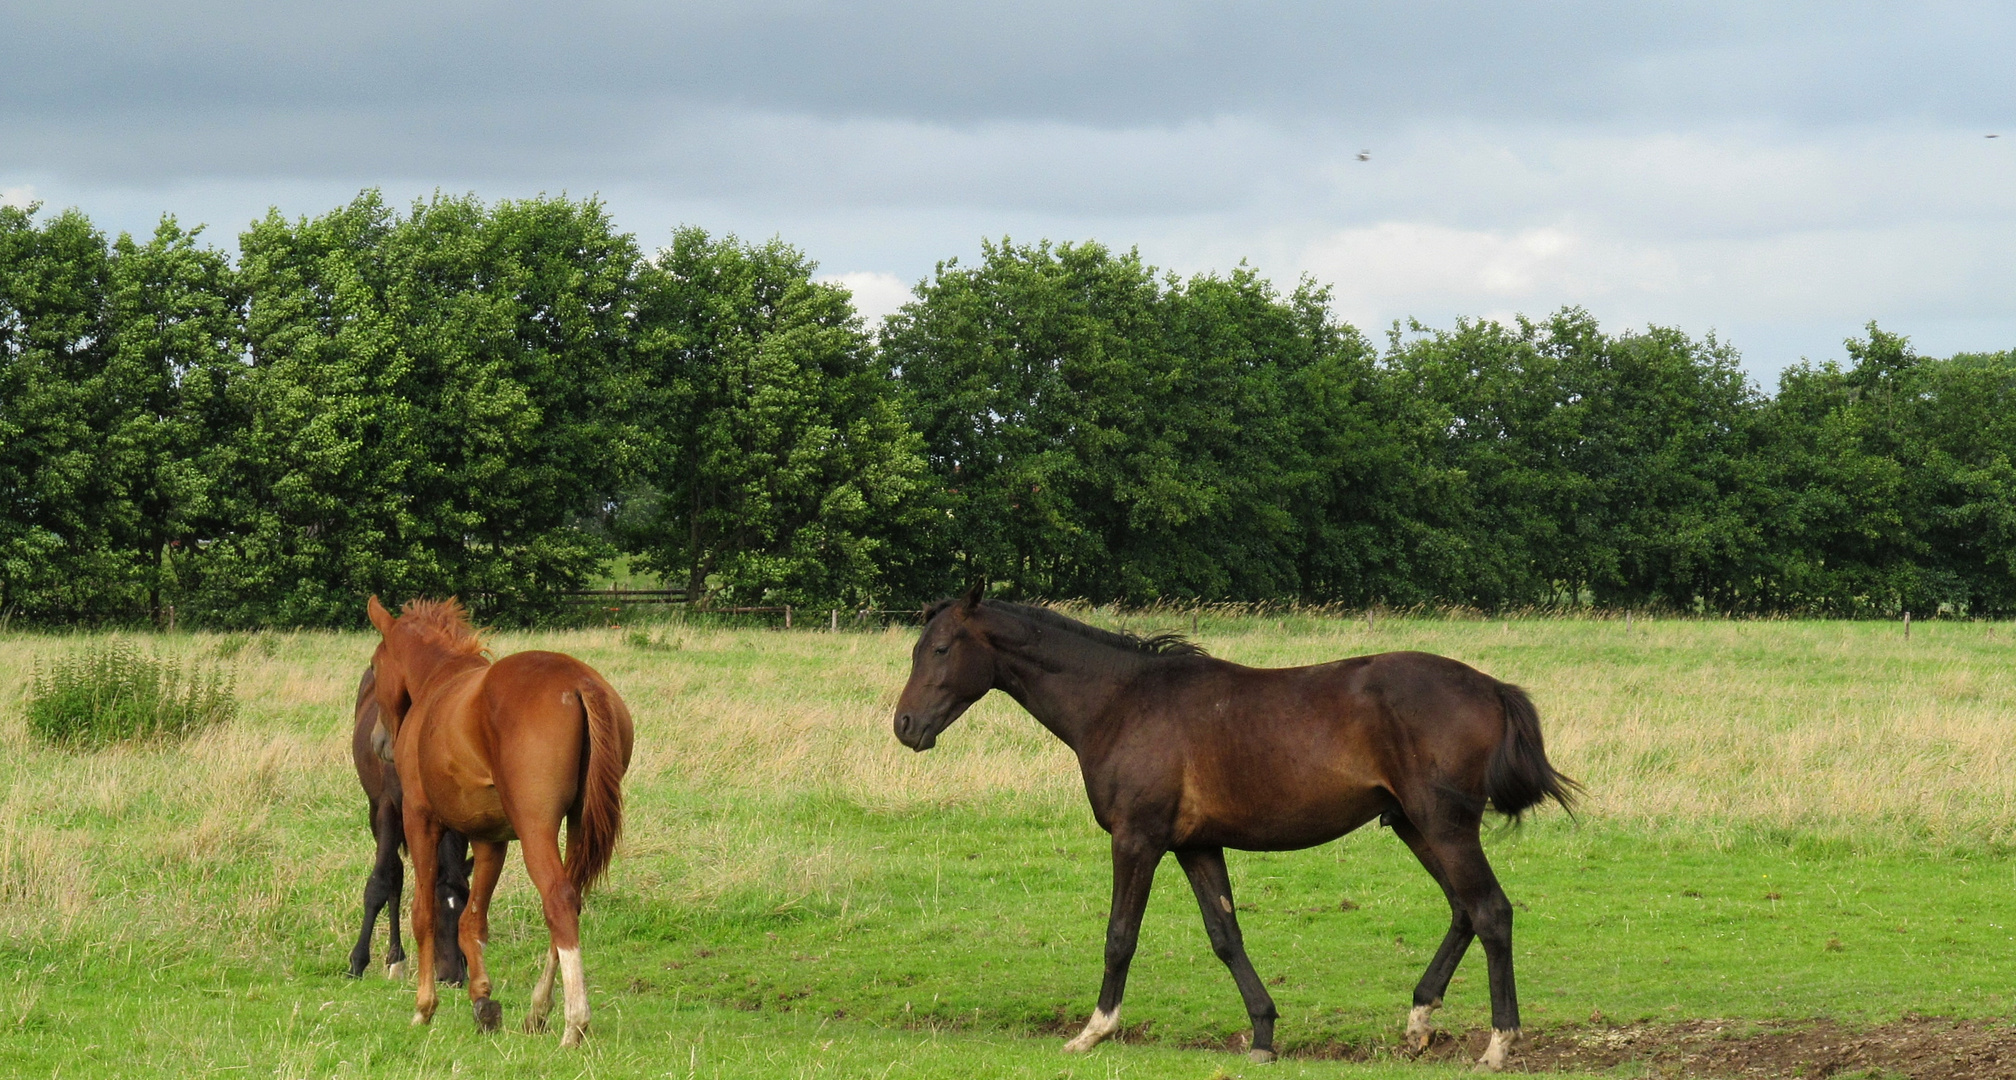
(496,400)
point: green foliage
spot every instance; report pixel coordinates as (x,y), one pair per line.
(111,692)
(1099,432)
(777,460)
(492,401)
(1894,485)
(1578,465)
(434,401)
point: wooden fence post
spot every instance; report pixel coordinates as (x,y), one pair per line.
(787,616)
(1907,626)
(833,620)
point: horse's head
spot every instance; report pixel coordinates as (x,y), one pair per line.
(951,668)
(451,895)
(389,667)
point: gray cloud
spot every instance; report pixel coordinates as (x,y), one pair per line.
(1778,168)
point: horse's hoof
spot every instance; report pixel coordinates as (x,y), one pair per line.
(419,1019)
(1420,1029)
(574,1036)
(1096,1030)
(535,1025)
(395,970)
(1502,1042)
(1261,1057)
(489,1015)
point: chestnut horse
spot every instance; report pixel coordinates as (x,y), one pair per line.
(499,752)
(371,752)
(1185,753)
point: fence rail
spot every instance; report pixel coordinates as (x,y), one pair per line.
(592,597)
(625,596)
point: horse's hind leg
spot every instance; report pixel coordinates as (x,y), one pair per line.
(474,931)
(1213,886)
(1475,888)
(542,994)
(381,890)
(561,903)
(423,838)
(1434,981)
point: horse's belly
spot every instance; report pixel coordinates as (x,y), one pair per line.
(477,813)
(1281,827)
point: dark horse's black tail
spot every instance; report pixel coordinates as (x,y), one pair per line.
(1520,775)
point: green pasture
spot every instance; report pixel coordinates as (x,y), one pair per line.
(1785,820)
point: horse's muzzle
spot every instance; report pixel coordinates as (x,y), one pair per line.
(915,732)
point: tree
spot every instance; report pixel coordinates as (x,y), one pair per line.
(777,462)
(434,404)
(166,406)
(52,355)
(1893,482)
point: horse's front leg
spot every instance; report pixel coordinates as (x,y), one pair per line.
(1134,863)
(381,889)
(1213,886)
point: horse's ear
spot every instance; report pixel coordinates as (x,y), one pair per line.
(380,618)
(970,602)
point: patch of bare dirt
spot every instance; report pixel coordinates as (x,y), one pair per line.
(1917,1047)
(1913,1048)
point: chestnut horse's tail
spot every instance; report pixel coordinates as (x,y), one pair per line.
(592,842)
(1520,776)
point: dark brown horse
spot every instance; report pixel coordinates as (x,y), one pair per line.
(1181,752)
(371,752)
(501,752)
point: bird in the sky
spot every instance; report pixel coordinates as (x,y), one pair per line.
(1366,155)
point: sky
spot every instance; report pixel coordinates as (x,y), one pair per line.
(1779,175)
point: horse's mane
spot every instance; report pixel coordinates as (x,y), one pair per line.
(446,622)
(1167,644)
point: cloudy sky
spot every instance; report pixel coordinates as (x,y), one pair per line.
(1779,174)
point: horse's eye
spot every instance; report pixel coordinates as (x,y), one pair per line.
(940,650)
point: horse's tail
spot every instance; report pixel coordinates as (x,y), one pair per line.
(592,843)
(1520,775)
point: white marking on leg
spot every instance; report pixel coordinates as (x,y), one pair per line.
(1500,1048)
(1097,1029)
(1421,1026)
(396,971)
(542,994)
(574,983)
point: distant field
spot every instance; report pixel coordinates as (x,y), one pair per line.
(1786,820)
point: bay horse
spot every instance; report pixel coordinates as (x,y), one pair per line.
(499,752)
(1186,753)
(371,752)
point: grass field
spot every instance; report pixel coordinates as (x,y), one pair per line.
(1785,820)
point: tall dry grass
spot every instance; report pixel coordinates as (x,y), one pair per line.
(255,828)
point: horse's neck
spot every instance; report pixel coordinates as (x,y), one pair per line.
(1067,686)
